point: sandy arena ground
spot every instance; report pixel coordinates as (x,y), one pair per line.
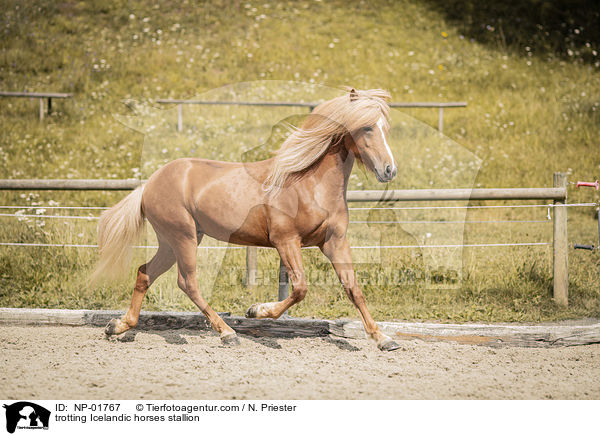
(79,363)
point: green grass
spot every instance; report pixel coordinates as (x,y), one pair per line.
(529,114)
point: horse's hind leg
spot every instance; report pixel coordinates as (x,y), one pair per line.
(185,252)
(147,274)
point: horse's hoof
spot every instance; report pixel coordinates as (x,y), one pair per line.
(230,340)
(111,328)
(252,311)
(389,345)
(115,327)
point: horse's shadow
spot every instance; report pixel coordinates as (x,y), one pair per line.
(170,337)
(176,338)
(342,344)
(265,341)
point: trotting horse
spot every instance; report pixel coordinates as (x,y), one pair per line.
(293,200)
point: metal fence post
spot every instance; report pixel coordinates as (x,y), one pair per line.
(560,245)
(284,282)
(251,266)
(41,109)
(441,119)
(179,117)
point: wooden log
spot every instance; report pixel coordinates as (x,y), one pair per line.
(99,318)
(42,316)
(560,246)
(278,328)
(155,320)
(282,328)
(502,335)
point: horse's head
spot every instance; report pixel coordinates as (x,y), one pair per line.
(367,133)
(358,121)
(369,145)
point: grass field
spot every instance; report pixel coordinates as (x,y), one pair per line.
(530,113)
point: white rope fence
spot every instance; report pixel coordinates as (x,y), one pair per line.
(57,207)
(381,200)
(474,207)
(19,215)
(350,208)
(516,244)
(449,222)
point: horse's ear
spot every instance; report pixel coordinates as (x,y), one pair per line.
(353,94)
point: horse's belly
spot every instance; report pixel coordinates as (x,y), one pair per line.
(231,218)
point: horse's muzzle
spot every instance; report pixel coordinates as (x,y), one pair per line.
(387,174)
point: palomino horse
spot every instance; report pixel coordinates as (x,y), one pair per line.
(293,200)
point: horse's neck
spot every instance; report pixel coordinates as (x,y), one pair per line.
(334,171)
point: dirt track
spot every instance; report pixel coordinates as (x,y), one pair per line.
(78,363)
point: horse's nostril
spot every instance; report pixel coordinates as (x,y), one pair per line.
(388,170)
(395,172)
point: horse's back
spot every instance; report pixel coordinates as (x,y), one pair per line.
(190,177)
(219,198)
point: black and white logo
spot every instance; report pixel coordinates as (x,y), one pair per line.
(26,415)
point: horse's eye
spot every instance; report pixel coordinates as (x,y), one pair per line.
(368,129)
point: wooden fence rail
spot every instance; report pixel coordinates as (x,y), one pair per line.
(310,105)
(557,194)
(180,102)
(41,95)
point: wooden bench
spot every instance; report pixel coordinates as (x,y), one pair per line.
(40,95)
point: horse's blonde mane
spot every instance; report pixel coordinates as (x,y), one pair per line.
(328,122)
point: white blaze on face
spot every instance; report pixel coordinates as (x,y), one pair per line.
(380,124)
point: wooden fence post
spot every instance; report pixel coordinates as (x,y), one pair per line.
(441,120)
(251,266)
(179,117)
(560,245)
(41,109)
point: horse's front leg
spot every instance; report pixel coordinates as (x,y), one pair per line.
(291,255)
(337,251)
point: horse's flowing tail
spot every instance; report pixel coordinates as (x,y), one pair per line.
(119,228)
